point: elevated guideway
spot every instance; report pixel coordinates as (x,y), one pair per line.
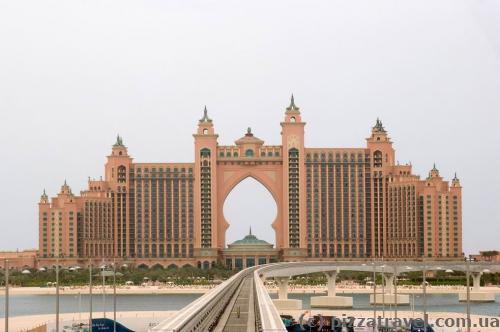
(239,314)
(242,302)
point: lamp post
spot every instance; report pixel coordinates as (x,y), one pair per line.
(374,297)
(57,293)
(6,266)
(467,268)
(395,291)
(90,295)
(79,306)
(114,295)
(103,267)
(383,288)
(425,297)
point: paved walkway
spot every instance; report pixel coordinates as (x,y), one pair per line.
(239,315)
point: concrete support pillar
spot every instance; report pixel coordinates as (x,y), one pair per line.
(476,281)
(389,283)
(331,277)
(389,297)
(282,283)
(331,301)
(476,295)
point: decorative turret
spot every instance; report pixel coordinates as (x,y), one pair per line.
(292,108)
(205,117)
(65,189)
(249,138)
(381,146)
(249,144)
(118,164)
(379,134)
(456,181)
(44,198)
(119,149)
(292,114)
(434,172)
(378,127)
(205,125)
(119,141)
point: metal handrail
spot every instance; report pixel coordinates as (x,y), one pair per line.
(268,316)
(203,313)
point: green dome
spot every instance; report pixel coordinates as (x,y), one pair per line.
(250,239)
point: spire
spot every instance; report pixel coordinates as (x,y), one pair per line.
(434,173)
(44,198)
(455,182)
(379,126)
(65,188)
(205,117)
(292,107)
(119,141)
(250,231)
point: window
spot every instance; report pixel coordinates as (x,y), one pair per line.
(377,159)
(205,152)
(249,153)
(205,131)
(122,174)
(292,119)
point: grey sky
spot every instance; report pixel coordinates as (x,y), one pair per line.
(75,73)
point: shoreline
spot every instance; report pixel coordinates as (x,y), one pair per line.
(143,318)
(148,290)
(24,322)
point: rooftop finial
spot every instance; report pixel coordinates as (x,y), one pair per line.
(292,106)
(205,117)
(65,183)
(119,140)
(379,126)
(249,132)
(250,233)
(434,167)
(44,196)
(456,177)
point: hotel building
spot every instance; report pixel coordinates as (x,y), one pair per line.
(333,203)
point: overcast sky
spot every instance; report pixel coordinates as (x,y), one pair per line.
(73,74)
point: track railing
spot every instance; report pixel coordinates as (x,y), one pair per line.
(267,317)
(204,313)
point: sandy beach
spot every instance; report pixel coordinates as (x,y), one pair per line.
(144,318)
(21,323)
(341,289)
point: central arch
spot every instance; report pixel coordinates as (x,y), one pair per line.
(250,205)
(270,176)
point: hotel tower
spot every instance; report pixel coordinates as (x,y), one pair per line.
(332,203)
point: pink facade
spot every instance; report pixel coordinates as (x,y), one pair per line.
(333,203)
